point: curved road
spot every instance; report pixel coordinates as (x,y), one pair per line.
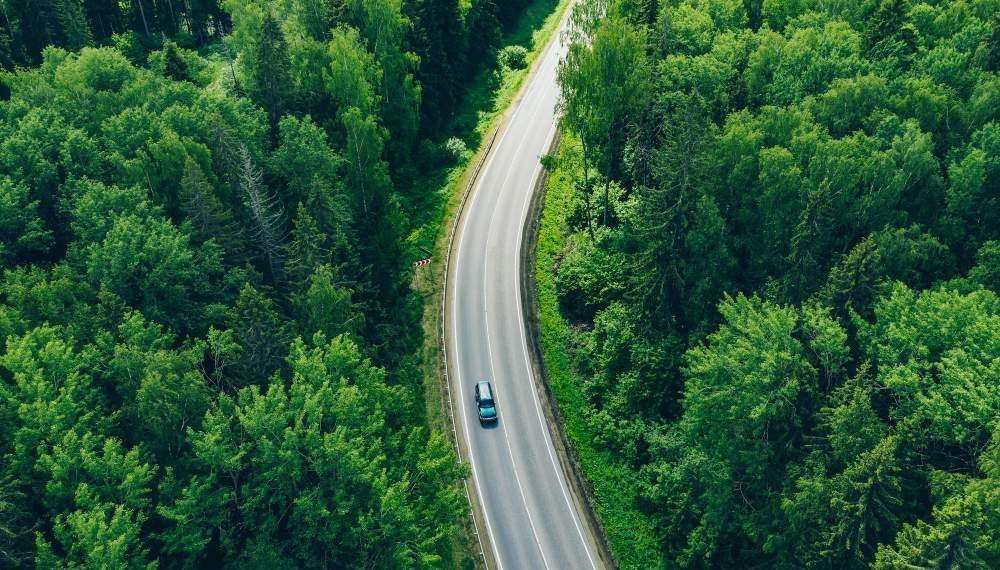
(531,518)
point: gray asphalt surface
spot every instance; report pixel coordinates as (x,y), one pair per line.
(531,518)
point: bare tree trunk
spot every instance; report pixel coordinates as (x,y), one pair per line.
(232,68)
(266,213)
(142,12)
(586,189)
(173,16)
(607,184)
(198,35)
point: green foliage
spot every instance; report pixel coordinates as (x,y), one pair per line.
(313,458)
(603,84)
(784,321)
(325,307)
(23,235)
(937,353)
(962,532)
(352,78)
(104,536)
(30,26)
(151,266)
(513,57)
(270,77)
(178,210)
(174,65)
(630,532)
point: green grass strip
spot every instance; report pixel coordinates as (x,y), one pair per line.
(483,108)
(629,531)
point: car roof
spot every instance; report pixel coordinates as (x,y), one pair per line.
(484,390)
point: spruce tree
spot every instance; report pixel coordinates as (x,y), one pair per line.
(270,82)
(483,32)
(440,46)
(209,218)
(74,32)
(174,65)
(261,334)
(105,18)
(7,54)
(325,306)
(307,249)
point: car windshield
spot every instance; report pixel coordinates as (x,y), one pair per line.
(488,411)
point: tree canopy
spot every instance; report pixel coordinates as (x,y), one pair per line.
(780,274)
(209,349)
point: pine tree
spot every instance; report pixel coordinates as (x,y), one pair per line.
(174,65)
(307,249)
(271,83)
(265,212)
(206,213)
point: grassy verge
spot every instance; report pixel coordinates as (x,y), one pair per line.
(487,98)
(481,112)
(629,531)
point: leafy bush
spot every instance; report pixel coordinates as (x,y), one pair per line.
(513,57)
(457,148)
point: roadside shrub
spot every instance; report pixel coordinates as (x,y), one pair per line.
(457,149)
(513,57)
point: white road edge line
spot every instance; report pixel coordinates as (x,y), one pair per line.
(454,320)
(454,310)
(489,343)
(524,343)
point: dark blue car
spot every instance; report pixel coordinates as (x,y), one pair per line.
(486,402)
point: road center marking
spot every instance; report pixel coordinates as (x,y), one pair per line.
(533,86)
(527,364)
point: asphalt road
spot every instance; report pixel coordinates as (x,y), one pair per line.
(531,518)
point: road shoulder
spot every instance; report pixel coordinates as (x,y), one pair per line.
(436,319)
(610,485)
(580,488)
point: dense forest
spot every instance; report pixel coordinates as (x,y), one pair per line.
(208,344)
(783,274)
